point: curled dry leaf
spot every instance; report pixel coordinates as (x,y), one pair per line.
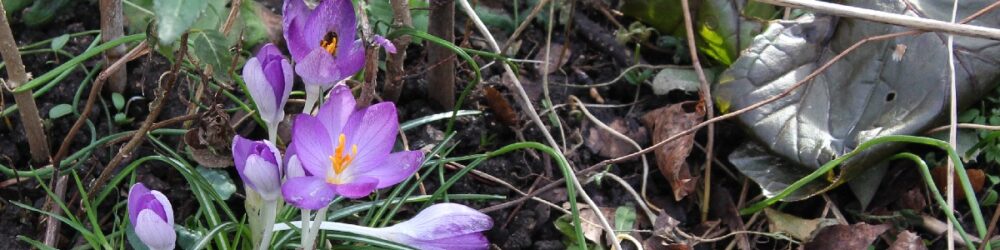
(858,236)
(558,56)
(798,228)
(499,105)
(210,139)
(605,144)
(666,122)
(976,177)
(907,240)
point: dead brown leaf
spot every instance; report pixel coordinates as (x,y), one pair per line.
(210,139)
(558,57)
(798,228)
(907,240)
(593,231)
(666,122)
(913,200)
(976,177)
(846,237)
(606,145)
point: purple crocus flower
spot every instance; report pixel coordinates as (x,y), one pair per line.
(346,152)
(444,226)
(323,41)
(259,165)
(269,79)
(152,217)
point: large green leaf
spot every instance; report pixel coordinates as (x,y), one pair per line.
(724,32)
(176,16)
(664,15)
(865,95)
(212,49)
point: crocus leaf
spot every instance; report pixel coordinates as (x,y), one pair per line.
(60,111)
(59,42)
(176,16)
(219,180)
(212,48)
(865,95)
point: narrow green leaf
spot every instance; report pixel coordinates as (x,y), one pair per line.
(60,111)
(60,42)
(212,49)
(175,16)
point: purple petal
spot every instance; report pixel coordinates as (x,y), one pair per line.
(444,220)
(396,168)
(260,89)
(164,210)
(332,16)
(154,232)
(274,72)
(312,144)
(294,168)
(334,113)
(241,150)
(308,192)
(471,241)
(357,187)
(373,130)
(263,177)
(135,196)
(295,15)
(385,43)
(318,68)
(351,58)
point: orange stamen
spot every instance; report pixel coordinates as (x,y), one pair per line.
(339,161)
(329,43)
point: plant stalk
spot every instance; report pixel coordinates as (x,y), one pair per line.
(441,78)
(111,29)
(38,143)
(394,64)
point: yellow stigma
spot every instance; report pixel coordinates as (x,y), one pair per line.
(339,161)
(329,43)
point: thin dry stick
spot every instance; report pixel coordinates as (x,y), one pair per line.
(953,118)
(525,102)
(524,24)
(706,98)
(38,143)
(111,29)
(605,127)
(371,60)
(234,12)
(963,125)
(890,18)
(638,198)
(394,64)
(166,83)
(993,226)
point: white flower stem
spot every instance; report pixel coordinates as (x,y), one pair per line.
(313,93)
(307,240)
(269,213)
(320,217)
(272,132)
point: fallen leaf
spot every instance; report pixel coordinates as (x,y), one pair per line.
(210,139)
(798,228)
(976,177)
(606,145)
(907,240)
(558,56)
(858,236)
(913,200)
(670,79)
(666,122)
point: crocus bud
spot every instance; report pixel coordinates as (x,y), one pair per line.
(259,165)
(269,79)
(442,226)
(152,217)
(385,43)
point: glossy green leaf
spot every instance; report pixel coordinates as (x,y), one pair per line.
(60,111)
(219,180)
(212,49)
(187,238)
(664,15)
(118,100)
(14,6)
(174,17)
